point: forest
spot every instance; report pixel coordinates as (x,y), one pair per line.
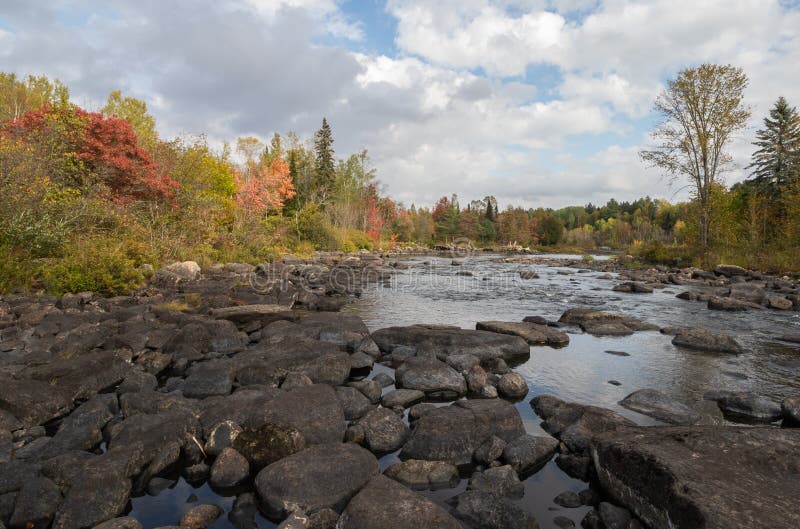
(94,200)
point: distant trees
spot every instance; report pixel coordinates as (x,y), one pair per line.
(701,109)
(19,95)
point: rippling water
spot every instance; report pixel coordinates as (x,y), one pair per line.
(430,291)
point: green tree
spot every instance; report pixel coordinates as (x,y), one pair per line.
(700,110)
(18,96)
(134,111)
(552,230)
(776,162)
(325,168)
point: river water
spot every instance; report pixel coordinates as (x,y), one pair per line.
(430,290)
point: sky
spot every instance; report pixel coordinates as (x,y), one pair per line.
(537,102)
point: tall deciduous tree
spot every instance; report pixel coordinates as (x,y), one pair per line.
(325,167)
(134,111)
(701,109)
(18,96)
(776,163)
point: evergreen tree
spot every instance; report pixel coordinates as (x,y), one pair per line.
(323,149)
(776,163)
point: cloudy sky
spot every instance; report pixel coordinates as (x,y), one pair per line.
(538,102)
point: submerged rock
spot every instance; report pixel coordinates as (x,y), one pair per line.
(699,476)
(703,340)
(502,481)
(659,406)
(384,430)
(527,453)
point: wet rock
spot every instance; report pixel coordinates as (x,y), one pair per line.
(319,477)
(791,411)
(527,452)
(703,340)
(386,504)
(562,522)
(533,333)
(657,405)
(354,403)
(124,522)
(489,451)
(268,443)
(578,467)
(453,433)
(699,476)
(230,468)
(484,510)
(747,292)
(323,519)
(157,485)
(568,499)
(614,517)
(601,323)
(361,360)
(384,380)
(528,274)
(200,517)
(576,424)
(36,504)
(512,386)
(476,378)
(791,338)
(221,437)
(747,406)
(314,411)
(418,410)
(384,430)
(196,473)
(433,377)
(444,341)
(244,511)
(421,475)
(779,303)
(634,287)
(502,481)
(402,398)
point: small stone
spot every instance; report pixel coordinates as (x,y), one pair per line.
(512,386)
(568,499)
(200,517)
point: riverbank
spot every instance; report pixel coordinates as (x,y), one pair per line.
(249,385)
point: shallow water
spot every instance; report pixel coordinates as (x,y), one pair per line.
(429,291)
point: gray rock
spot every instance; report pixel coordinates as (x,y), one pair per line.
(418,410)
(453,433)
(385,504)
(779,303)
(361,360)
(208,379)
(36,504)
(221,437)
(730,304)
(699,476)
(703,340)
(527,452)
(512,386)
(99,496)
(747,406)
(730,270)
(476,378)
(483,510)
(433,377)
(791,410)
(125,522)
(568,499)
(295,520)
(444,341)
(384,380)
(402,398)
(354,403)
(244,511)
(295,380)
(33,402)
(323,519)
(384,430)
(421,475)
(490,450)
(200,517)
(502,481)
(655,404)
(82,429)
(463,362)
(370,388)
(614,517)
(137,381)
(230,468)
(268,443)
(319,477)
(533,333)
(747,292)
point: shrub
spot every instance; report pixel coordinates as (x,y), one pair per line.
(97,265)
(314,227)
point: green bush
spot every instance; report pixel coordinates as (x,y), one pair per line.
(40,235)
(655,252)
(314,227)
(96,265)
(17,270)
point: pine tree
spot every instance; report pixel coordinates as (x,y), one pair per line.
(776,163)
(325,167)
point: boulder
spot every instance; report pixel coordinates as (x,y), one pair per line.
(124,522)
(484,510)
(747,292)
(36,504)
(444,341)
(512,386)
(528,453)
(533,333)
(385,504)
(268,443)
(82,429)
(230,468)
(314,411)
(601,323)
(489,451)
(200,517)
(699,476)
(703,340)
(730,270)
(208,379)
(402,398)
(779,303)
(33,402)
(384,430)
(267,363)
(659,406)
(730,304)
(746,406)
(185,271)
(502,481)
(431,376)
(319,477)
(221,437)
(261,313)
(370,388)
(354,404)
(422,475)
(453,433)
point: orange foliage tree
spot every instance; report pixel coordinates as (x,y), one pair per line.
(264,187)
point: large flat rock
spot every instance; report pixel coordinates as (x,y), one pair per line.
(703,477)
(444,341)
(533,333)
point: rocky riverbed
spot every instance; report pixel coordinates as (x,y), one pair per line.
(372,392)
